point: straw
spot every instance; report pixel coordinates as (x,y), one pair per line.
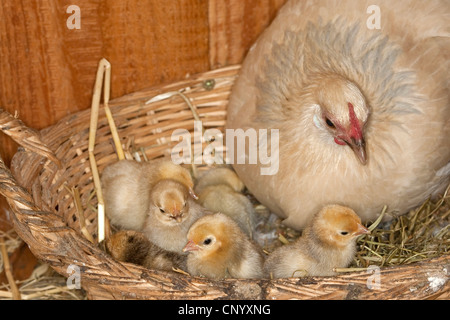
(103,72)
(8,272)
(419,235)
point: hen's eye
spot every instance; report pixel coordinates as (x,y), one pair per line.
(329,123)
(344,233)
(207,241)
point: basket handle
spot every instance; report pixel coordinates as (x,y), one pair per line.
(24,136)
(29,139)
(19,199)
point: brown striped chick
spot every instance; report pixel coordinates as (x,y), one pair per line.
(328,242)
(134,247)
(127,184)
(220,190)
(170,214)
(219,249)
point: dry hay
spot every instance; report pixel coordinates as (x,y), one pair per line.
(43,284)
(419,235)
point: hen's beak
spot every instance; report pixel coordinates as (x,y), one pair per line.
(191,246)
(359,148)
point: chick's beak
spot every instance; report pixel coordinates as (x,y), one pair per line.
(191,246)
(359,148)
(361,230)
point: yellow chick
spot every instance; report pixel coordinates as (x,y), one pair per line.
(170,214)
(328,243)
(134,247)
(127,184)
(219,249)
(220,190)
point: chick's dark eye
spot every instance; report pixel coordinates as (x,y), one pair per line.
(329,123)
(207,241)
(344,233)
(162,210)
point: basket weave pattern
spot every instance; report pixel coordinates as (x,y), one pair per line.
(55,160)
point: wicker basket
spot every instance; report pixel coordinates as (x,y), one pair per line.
(45,214)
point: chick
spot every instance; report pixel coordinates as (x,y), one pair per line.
(219,190)
(219,249)
(328,242)
(166,169)
(219,175)
(134,247)
(127,184)
(170,214)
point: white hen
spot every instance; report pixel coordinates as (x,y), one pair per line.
(363,113)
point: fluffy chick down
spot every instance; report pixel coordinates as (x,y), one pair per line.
(134,247)
(219,249)
(328,242)
(220,190)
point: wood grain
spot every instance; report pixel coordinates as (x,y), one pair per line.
(235,25)
(151,42)
(45,65)
(47,71)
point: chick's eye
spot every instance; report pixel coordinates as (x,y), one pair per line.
(207,241)
(344,233)
(329,123)
(162,210)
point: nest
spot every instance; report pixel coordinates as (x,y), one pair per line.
(50,189)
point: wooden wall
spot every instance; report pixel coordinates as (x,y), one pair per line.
(47,70)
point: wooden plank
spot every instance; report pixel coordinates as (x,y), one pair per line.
(235,25)
(152,42)
(46,71)
(43,73)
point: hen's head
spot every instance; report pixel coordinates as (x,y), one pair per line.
(342,112)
